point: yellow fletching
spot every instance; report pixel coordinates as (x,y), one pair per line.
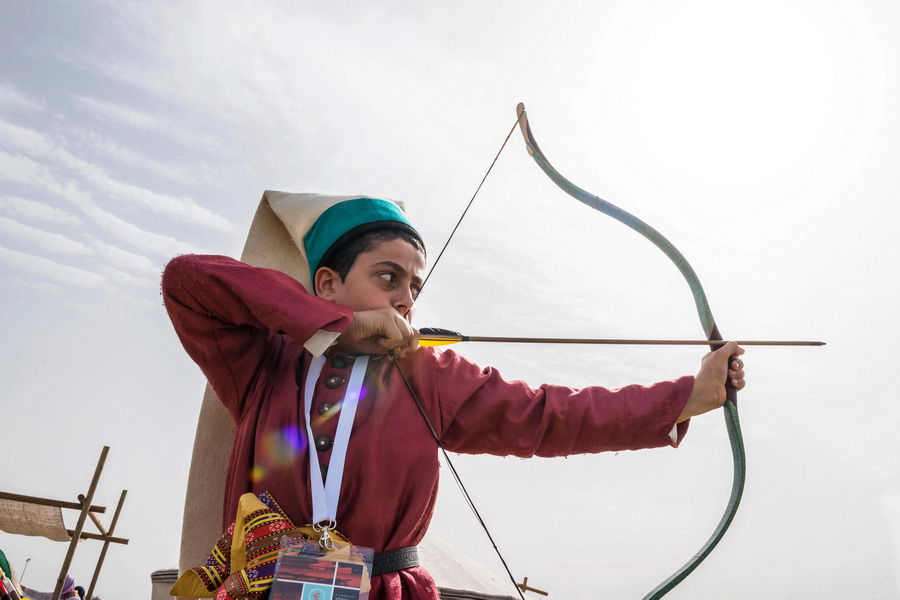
(439,340)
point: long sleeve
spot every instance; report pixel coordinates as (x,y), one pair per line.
(228,315)
(480,412)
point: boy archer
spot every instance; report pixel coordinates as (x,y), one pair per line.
(323,420)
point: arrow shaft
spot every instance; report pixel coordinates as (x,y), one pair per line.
(437,340)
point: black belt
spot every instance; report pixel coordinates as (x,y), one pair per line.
(394,560)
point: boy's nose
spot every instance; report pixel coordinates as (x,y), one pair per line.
(404,300)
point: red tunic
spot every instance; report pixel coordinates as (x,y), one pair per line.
(245,326)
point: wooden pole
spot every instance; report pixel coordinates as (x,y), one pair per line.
(102,538)
(76,533)
(49,502)
(112,528)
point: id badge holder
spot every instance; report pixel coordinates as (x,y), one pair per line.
(307,572)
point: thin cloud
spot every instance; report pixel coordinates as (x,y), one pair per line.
(37,211)
(12,97)
(241,84)
(20,169)
(125,155)
(161,245)
(154,243)
(119,277)
(42,286)
(142,121)
(52,270)
(23,139)
(183,209)
(120,114)
(45,240)
(123,259)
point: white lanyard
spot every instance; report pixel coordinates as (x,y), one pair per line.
(325,495)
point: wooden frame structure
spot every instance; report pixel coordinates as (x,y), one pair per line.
(86,509)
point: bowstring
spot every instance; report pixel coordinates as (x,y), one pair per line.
(468,206)
(453,471)
(459,482)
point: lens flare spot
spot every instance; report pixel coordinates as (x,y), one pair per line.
(294,438)
(283,447)
(257,473)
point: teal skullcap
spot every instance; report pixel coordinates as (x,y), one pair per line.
(348,219)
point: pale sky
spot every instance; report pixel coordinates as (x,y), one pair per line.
(762,138)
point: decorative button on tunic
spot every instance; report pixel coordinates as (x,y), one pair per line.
(341,362)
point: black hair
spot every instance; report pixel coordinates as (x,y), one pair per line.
(341,256)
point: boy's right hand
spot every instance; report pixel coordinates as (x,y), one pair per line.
(379,331)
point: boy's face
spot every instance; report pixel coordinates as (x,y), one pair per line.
(388,276)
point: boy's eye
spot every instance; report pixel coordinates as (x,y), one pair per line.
(388,277)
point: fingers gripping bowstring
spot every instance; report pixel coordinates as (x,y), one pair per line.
(456,477)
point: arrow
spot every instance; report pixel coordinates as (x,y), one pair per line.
(430,336)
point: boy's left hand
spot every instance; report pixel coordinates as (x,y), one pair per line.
(716,368)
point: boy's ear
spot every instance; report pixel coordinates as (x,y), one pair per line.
(325,281)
